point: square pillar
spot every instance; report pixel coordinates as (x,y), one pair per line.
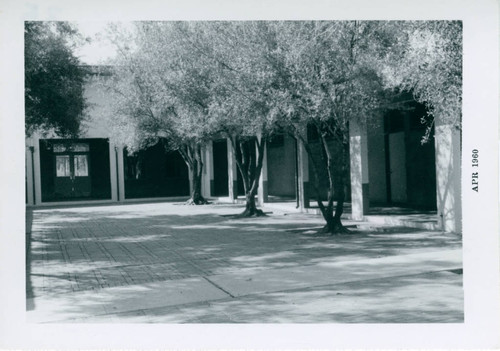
(303,175)
(36,170)
(262,194)
(30,179)
(120,173)
(448,178)
(190,176)
(208,173)
(113,168)
(358,151)
(232,170)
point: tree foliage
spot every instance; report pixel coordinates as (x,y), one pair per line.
(325,79)
(162,91)
(54,79)
(241,107)
(425,58)
(192,81)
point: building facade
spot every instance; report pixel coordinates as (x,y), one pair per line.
(389,166)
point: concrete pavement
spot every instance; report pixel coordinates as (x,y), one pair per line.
(170,263)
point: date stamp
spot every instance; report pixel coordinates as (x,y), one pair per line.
(475,175)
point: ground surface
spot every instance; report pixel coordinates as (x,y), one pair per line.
(170,263)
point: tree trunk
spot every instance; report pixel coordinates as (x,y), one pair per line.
(196,196)
(250,172)
(192,157)
(336,186)
(250,207)
(333,223)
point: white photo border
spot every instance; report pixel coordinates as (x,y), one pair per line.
(480,210)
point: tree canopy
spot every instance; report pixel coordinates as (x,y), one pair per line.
(54,79)
(425,59)
(193,81)
(162,90)
(325,79)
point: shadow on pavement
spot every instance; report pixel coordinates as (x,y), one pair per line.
(84,249)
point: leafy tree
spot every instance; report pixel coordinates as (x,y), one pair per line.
(246,80)
(187,83)
(54,79)
(161,91)
(322,80)
(330,74)
(425,58)
(240,108)
(293,76)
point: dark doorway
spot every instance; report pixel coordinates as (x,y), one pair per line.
(155,172)
(410,164)
(282,168)
(220,168)
(75,169)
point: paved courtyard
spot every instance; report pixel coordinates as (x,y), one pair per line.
(172,263)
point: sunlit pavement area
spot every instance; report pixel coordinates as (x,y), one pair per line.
(172,263)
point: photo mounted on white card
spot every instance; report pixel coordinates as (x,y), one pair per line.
(257,176)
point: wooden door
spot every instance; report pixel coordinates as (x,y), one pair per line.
(63,181)
(81,175)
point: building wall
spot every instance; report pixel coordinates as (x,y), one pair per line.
(101,157)
(96,126)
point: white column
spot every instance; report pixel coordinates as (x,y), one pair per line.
(37,170)
(208,173)
(358,150)
(29,171)
(232,170)
(112,171)
(448,168)
(262,194)
(303,170)
(190,175)
(121,174)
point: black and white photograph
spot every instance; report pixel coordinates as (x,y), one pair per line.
(256,180)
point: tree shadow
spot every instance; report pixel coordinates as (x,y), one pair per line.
(78,250)
(424,298)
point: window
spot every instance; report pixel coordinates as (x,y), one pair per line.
(59,147)
(62,166)
(81,166)
(73,147)
(80,147)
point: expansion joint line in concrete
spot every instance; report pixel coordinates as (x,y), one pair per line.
(219,287)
